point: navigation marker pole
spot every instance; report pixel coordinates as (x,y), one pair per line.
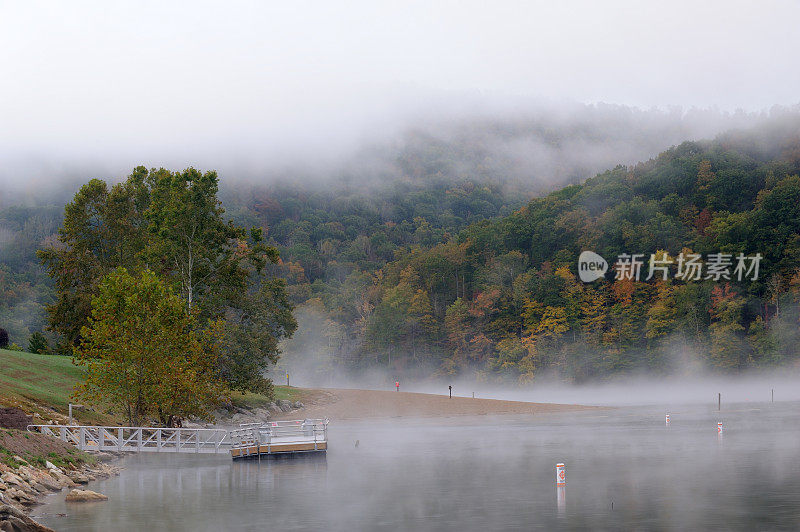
(561,487)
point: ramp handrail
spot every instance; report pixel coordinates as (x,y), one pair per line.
(139,439)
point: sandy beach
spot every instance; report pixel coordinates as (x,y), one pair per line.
(336,404)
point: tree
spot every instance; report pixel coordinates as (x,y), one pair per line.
(171,223)
(250,337)
(192,242)
(143,353)
(727,345)
(38,344)
(3,338)
(103,229)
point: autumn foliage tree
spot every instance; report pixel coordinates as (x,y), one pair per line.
(144,354)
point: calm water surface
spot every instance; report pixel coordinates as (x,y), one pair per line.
(480,473)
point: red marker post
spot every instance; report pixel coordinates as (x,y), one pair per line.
(561,487)
(397,385)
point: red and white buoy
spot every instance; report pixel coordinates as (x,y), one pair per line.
(719,428)
(667,420)
(561,475)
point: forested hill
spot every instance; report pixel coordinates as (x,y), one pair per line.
(501,299)
(448,267)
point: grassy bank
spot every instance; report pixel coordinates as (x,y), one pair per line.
(39,383)
(37,450)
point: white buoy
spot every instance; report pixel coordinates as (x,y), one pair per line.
(668,420)
(561,475)
(719,428)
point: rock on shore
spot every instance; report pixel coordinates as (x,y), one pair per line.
(85,496)
(21,488)
(13,520)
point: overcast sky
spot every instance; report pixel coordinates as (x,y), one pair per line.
(168,82)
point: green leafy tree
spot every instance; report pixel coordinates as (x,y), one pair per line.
(192,242)
(143,353)
(250,336)
(171,223)
(103,229)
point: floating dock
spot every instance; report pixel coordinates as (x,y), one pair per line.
(276,439)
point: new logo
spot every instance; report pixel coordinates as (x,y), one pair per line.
(591,266)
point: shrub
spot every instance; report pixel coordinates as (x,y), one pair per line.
(38,344)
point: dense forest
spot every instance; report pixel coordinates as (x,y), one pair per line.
(449,268)
(500,299)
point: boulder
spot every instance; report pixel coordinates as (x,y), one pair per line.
(13,520)
(85,496)
(262,413)
(298,404)
(63,480)
(22,497)
(47,482)
(11,479)
(78,478)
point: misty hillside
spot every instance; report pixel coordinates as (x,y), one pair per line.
(442,264)
(501,298)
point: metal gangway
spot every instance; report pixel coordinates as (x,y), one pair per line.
(274,438)
(139,439)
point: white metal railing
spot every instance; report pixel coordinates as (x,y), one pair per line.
(280,432)
(139,439)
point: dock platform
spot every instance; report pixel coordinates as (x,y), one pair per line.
(276,439)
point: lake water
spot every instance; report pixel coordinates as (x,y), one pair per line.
(486,473)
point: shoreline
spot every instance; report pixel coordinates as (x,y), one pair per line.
(354,404)
(28,474)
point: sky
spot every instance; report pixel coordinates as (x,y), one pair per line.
(176,82)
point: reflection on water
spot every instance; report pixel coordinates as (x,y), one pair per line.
(625,469)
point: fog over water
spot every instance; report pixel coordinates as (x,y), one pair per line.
(625,470)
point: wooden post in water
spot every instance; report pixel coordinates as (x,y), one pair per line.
(450,387)
(773,395)
(719,401)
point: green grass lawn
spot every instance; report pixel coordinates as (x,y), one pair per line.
(257,400)
(32,381)
(45,379)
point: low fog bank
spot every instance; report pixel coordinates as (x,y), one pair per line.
(621,390)
(537,146)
